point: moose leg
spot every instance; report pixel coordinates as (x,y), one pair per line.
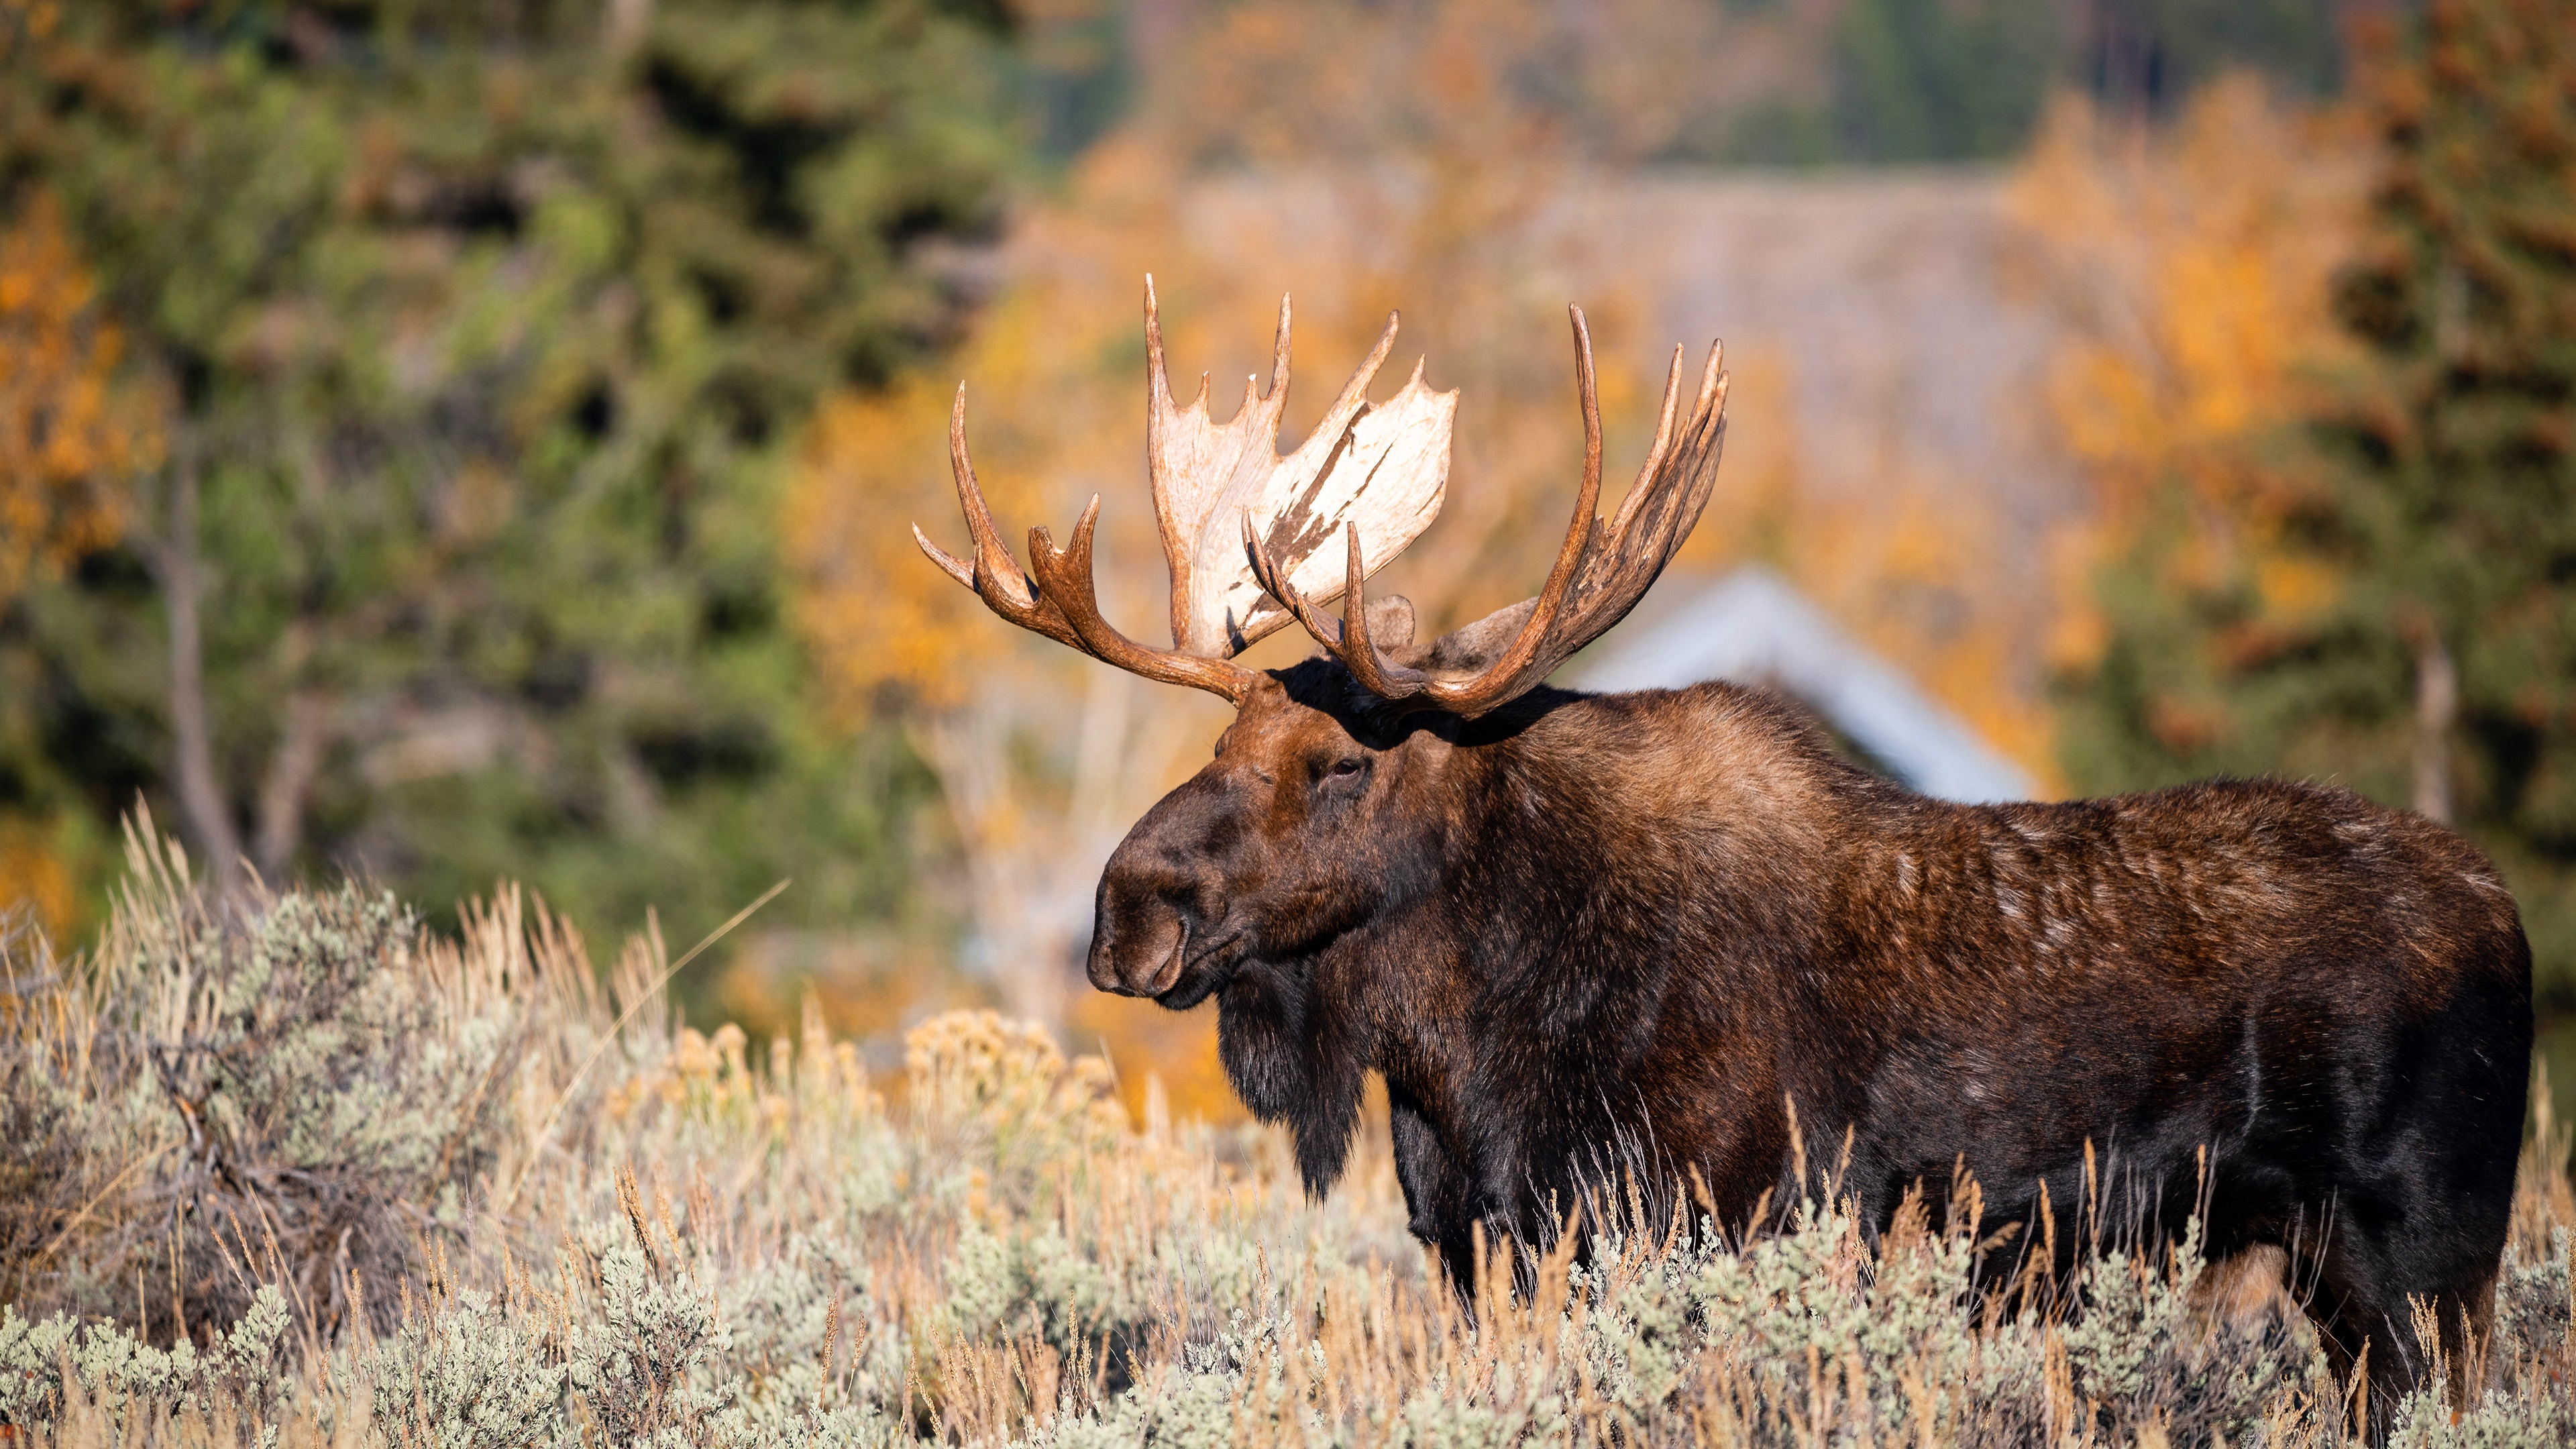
(2359,1331)
(1435,1187)
(2368,1295)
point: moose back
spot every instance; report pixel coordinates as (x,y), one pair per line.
(1572,929)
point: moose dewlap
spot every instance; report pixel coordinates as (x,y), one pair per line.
(1672,930)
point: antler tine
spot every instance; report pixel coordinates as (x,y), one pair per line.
(1587,499)
(1279,348)
(1064,577)
(1670,512)
(1638,491)
(1471,697)
(1253,382)
(994,575)
(1158,401)
(1354,393)
(1600,572)
(1157,380)
(1712,405)
(1041,606)
(1346,641)
(1359,653)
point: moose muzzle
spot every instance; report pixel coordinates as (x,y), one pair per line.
(1161,904)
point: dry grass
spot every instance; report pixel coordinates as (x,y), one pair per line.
(299,1172)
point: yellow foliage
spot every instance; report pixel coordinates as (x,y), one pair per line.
(2195,267)
(980,1064)
(70,438)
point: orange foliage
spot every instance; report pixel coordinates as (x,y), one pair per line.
(1143,1043)
(866,990)
(70,439)
(35,884)
(2195,267)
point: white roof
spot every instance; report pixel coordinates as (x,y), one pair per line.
(1753,628)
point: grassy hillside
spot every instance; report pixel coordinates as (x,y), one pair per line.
(303,1173)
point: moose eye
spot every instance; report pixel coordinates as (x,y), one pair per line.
(1346,767)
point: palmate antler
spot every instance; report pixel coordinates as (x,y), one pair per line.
(1600,572)
(1242,529)
(1378,471)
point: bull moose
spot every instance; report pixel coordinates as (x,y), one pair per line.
(1556,921)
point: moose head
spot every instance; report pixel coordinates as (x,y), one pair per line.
(1320,818)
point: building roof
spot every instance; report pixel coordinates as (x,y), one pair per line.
(1754,628)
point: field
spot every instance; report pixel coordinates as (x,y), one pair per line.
(303,1173)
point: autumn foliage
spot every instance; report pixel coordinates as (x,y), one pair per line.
(71,436)
(2193,268)
(74,433)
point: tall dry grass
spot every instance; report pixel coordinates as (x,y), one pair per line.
(300,1172)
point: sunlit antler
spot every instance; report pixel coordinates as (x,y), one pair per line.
(1600,572)
(1381,469)
(1062,604)
(1375,471)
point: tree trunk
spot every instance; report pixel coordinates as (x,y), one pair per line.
(174,558)
(626,22)
(300,745)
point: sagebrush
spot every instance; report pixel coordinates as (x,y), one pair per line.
(297,1170)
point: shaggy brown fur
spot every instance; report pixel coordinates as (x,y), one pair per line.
(1582,927)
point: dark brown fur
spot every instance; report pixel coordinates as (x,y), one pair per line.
(1586,926)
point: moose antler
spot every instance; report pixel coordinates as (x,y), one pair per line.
(1379,470)
(1599,574)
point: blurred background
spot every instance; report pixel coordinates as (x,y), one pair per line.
(459,442)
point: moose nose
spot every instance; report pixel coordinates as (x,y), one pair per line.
(1139,957)
(1163,890)
(1142,920)
(1140,932)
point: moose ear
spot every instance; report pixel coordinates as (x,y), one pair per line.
(1473,648)
(1390,622)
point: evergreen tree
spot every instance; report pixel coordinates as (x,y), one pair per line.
(1918,82)
(481,334)
(1967,80)
(2435,487)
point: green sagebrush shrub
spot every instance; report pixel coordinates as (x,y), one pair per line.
(297,1087)
(299,1172)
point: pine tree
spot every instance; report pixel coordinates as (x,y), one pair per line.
(481,335)
(2434,485)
